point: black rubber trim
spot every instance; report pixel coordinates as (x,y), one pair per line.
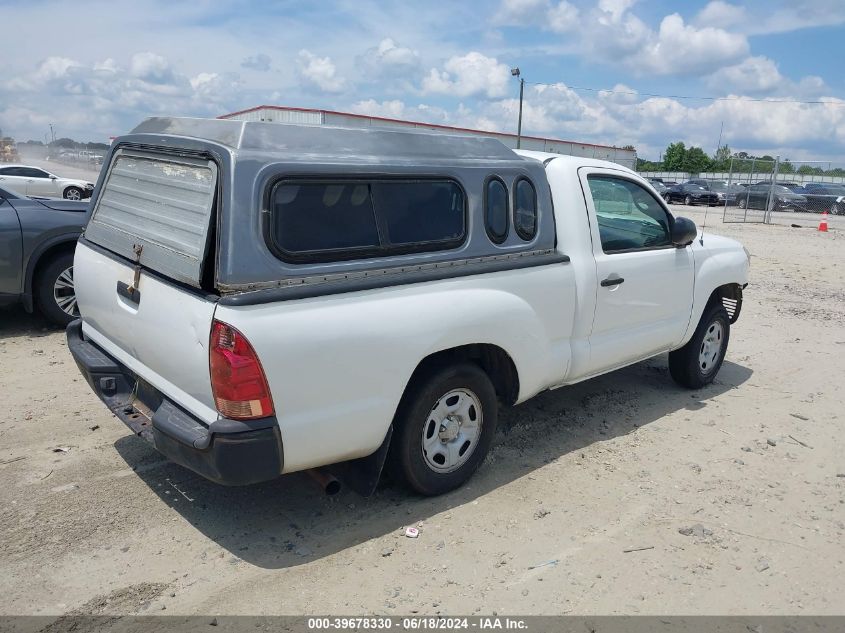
(611,282)
(229,452)
(123,291)
(272,295)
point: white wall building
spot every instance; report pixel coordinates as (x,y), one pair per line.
(282,114)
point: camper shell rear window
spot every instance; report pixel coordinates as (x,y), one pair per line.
(325,220)
(156,209)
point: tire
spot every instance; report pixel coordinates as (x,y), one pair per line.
(742,202)
(54,293)
(697,363)
(422,453)
(837,209)
(688,201)
(72,193)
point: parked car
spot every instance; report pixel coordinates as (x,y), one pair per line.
(279,298)
(755,197)
(792,186)
(725,192)
(34,181)
(822,197)
(37,240)
(658,185)
(690,194)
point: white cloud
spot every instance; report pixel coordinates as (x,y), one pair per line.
(389,60)
(470,74)
(721,14)
(620,93)
(752,75)
(55,68)
(683,48)
(318,72)
(520,12)
(394,109)
(563,17)
(151,68)
(260,62)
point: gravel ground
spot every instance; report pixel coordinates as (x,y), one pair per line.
(624,494)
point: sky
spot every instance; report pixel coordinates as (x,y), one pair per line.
(603,71)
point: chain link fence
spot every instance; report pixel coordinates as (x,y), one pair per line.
(760,189)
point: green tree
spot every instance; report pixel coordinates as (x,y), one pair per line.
(673,157)
(696,161)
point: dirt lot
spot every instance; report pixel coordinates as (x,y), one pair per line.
(735,493)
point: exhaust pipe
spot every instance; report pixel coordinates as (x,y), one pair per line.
(330,485)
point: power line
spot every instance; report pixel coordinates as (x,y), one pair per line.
(691,97)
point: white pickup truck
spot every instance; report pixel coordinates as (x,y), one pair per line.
(259,299)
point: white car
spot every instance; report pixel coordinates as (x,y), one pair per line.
(259,299)
(27,180)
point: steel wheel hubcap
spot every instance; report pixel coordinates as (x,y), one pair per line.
(452,430)
(711,347)
(64,293)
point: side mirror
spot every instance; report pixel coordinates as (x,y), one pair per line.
(52,177)
(683,232)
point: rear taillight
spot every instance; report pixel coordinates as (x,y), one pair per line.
(237,379)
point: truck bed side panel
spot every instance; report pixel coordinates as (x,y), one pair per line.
(337,366)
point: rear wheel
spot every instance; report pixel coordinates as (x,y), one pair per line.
(837,209)
(73,193)
(697,363)
(444,428)
(688,201)
(54,291)
(742,202)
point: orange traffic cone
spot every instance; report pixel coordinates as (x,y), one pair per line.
(823,223)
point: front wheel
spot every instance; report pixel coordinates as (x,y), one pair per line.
(742,202)
(697,363)
(688,201)
(446,424)
(837,209)
(73,193)
(55,292)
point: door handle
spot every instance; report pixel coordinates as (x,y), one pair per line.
(611,281)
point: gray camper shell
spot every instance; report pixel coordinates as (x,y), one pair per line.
(195,200)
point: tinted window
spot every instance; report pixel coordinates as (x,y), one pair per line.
(496,210)
(628,216)
(525,209)
(322,217)
(417,212)
(326,221)
(13,171)
(31,172)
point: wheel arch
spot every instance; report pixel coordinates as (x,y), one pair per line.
(491,359)
(44,253)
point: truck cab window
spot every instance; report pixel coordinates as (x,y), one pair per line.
(629,217)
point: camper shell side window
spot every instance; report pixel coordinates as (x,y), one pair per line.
(317,220)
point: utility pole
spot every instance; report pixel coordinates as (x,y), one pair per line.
(515,72)
(719,144)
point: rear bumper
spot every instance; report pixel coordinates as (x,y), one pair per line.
(227,452)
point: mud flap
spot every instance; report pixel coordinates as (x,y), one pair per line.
(363,474)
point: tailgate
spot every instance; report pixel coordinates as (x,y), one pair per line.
(163,338)
(153,218)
